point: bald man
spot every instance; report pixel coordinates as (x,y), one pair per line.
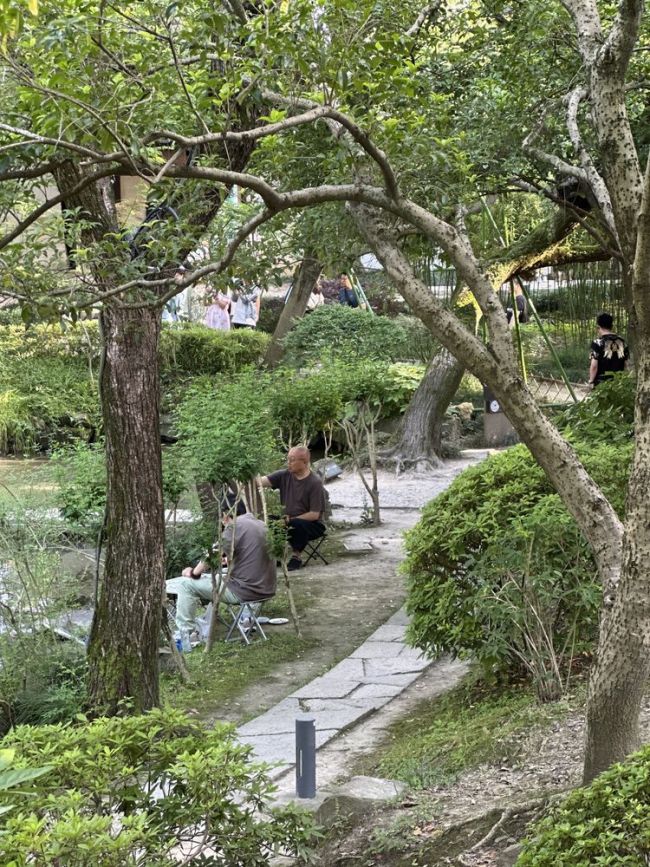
(303,498)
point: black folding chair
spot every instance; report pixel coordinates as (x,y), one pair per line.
(312,550)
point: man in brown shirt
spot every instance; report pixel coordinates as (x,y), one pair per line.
(303,497)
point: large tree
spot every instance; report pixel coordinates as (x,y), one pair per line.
(401,123)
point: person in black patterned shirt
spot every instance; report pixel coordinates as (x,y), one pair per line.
(609,352)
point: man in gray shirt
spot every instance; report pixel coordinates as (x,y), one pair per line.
(303,497)
(252,574)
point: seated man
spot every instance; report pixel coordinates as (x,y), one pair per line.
(252,576)
(303,497)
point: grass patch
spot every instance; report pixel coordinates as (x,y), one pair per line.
(461,729)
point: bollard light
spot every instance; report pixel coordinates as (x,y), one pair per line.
(305,756)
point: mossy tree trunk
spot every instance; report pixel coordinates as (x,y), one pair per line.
(123,651)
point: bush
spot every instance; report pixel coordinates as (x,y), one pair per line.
(607,822)
(198,350)
(80,472)
(497,568)
(338,332)
(47,389)
(270,310)
(152,789)
(607,415)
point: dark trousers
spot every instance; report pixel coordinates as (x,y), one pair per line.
(300,532)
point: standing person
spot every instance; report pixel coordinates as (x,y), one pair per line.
(252,575)
(303,497)
(246,306)
(217,313)
(522,307)
(609,352)
(347,295)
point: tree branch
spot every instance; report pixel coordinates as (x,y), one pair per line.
(51,203)
(592,177)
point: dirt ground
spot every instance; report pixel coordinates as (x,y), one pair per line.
(342,603)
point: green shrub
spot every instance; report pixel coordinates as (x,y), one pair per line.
(496,557)
(607,415)
(226,430)
(80,472)
(198,350)
(336,331)
(48,388)
(42,679)
(144,790)
(605,823)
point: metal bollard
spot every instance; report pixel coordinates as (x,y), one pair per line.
(305,757)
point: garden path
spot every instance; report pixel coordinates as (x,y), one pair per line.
(355,598)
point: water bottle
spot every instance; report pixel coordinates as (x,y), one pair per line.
(178,642)
(185,641)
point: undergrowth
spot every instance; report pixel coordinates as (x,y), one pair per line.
(466,727)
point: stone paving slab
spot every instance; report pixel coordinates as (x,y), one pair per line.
(378,649)
(402,680)
(378,668)
(282,747)
(326,687)
(374,690)
(389,632)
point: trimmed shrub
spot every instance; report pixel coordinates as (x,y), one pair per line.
(606,823)
(153,789)
(497,568)
(197,350)
(335,331)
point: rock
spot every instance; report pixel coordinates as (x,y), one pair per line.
(509,856)
(357,796)
(350,800)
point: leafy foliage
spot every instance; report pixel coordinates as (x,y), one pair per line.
(12,777)
(139,790)
(48,388)
(606,416)
(496,556)
(604,823)
(226,429)
(80,471)
(197,350)
(338,332)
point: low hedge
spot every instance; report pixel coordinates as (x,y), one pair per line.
(198,351)
(49,394)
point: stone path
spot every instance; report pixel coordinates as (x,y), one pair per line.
(380,669)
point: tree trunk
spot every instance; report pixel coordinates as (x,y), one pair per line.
(421,428)
(123,650)
(306,276)
(619,678)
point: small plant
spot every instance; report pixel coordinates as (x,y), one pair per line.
(606,823)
